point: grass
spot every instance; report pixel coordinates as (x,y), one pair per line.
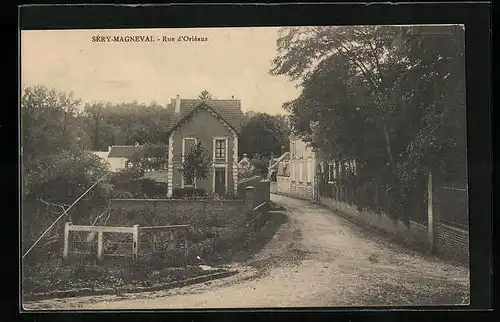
(57,276)
(215,245)
(374,258)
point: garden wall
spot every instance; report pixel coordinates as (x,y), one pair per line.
(170,207)
(283,184)
(452,242)
(217,228)
(190,209)
(414,235)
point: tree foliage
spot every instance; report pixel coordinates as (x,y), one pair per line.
(197,164)
(125,124)
(263,134)
(150,157)
(56,167)
(205,95)
(392,98)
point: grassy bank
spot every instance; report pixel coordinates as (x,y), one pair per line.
(216,245)
(57,276)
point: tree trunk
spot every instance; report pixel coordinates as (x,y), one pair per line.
(388,147)
(194,182)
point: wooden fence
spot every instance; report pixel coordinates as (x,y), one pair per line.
(453,204)
(153,240)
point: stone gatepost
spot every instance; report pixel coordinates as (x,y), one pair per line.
(250,197)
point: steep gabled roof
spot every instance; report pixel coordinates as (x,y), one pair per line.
(123,151)
(244,160)
(227,110)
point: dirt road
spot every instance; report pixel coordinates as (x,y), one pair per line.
(316,259)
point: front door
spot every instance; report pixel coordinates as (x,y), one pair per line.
(220,181)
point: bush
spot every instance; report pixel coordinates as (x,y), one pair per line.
(259,167)
(181,193)
(152,189)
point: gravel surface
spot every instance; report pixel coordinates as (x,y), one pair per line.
(316,259)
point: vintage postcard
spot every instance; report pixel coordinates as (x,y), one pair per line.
(252,167)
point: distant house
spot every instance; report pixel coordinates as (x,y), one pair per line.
(216,124)
(119,156)
(296,170)
(245,167)
(276,163)
(307,173)
(103,155)
(244,162)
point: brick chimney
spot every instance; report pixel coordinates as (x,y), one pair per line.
(178,104)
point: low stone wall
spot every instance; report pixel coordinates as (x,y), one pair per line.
(415,234)
(452,242)
(282,184)
(302,191)
(294,190)
(243,183)
(170,207)
(262,192)
(254,195)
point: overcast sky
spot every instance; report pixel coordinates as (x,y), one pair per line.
(234,61)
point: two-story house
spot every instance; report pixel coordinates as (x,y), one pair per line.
(303,165)
(217,124)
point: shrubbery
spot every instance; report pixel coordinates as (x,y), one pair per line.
(182,193)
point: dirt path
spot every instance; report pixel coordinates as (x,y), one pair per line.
(316,259)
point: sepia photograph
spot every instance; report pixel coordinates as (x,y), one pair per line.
(244,167)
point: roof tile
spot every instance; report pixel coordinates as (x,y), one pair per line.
(123,151)
(229,110)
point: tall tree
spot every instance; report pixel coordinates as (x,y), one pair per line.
(367,48)
(125,124)
(197,164)
(56,169)
(386,96)
(151,157)
(263,134)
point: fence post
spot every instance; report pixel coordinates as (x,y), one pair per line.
(249,198)
(66,240)
(172,241)
(135,244)
(100,247)
(155,240)
(430,214)
(186,252)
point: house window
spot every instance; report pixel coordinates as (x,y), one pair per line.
(331,171)
(220,149)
